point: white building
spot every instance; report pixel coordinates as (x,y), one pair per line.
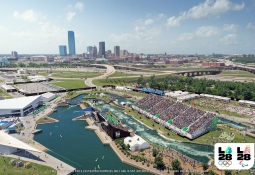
(136,143)
(9,144)
(8,88)
(19,106)
(46,97)
(215,97)
(176,94)
(37,78)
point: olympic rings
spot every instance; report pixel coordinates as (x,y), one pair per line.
(225,163)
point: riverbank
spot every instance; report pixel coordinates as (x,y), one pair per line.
(30,125)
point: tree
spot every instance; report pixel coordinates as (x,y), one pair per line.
(227,172)
(154,152)
(176,165)
(159,162)
(205,166)
(211,172)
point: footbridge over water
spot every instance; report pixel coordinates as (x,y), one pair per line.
(193,73)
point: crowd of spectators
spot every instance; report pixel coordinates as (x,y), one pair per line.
(201,121)
(188,117)
(161,106)
(181,114)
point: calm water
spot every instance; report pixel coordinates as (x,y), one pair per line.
(80,148)
(77,147)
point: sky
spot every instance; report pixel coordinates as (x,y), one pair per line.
(138,26)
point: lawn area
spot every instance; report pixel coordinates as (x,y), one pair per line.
(34,169)
(236,73)
(202,139)
(220,109)
(124,81)
(120,74)
(4,94)
(70,84)
(70,74)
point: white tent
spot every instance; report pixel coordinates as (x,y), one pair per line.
(120,88)
(136,143)
(102,95)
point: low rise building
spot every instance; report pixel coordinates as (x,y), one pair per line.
(136,143)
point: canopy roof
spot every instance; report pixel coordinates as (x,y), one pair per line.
(17,103)
(7,140)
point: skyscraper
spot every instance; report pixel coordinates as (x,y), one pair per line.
(94,51)
(89,49)
(71,43)
(14,54)
(117,51)
(62,51)
(102,49)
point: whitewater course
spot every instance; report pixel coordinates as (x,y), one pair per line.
(83,150)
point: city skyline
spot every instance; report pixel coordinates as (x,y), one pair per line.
(202,27)
(71,43)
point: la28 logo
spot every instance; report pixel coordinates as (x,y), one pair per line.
(242,155)
(223,156)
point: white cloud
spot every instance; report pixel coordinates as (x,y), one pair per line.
(201,32)
(207,31)
(79,6)
(121,37)
(160,16)
(46,30)
(3,28)
(230,27)
(207,9)
(69,16)
(149,21)
(250,26)
(186,36)
(76,6)
(229,39)
(173,21)
(138,33)
(28,16)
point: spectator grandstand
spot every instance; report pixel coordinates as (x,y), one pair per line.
(182,119)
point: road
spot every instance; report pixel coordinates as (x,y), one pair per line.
(110,70)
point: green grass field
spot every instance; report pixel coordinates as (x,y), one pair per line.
(70,84)
(34,169)
(4,94)
(123,81)
(75,74)
(237,73)
(219,109)
(121,74)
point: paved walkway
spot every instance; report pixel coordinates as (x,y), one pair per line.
(43,158)
(110,70)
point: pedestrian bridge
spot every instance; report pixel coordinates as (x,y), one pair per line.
(193,73)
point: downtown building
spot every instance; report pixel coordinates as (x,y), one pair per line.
(117,51)
(71,43)
(62,50)
(101,53)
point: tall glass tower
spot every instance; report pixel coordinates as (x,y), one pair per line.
(101,49)
(89,49)
(71,43)
(62,51)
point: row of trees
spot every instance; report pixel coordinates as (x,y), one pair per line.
(233,90)
(245,60)
(40,65)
